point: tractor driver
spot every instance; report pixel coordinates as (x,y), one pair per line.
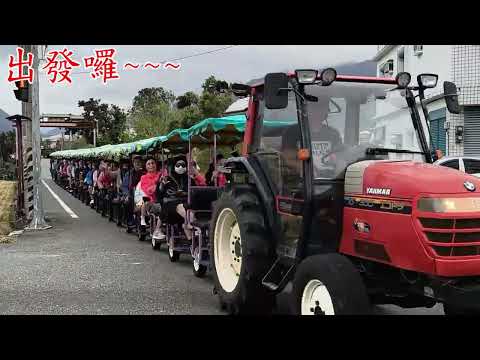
(325,139)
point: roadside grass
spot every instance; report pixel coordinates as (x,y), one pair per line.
(7,210)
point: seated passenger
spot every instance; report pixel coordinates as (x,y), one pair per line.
(133,179)
(213,174)
(147,190)
(178,182)
(89,178)
(123,180)
(94,188)
(104,182)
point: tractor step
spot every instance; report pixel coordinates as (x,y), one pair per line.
(278,275)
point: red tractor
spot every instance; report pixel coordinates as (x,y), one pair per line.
(342,199)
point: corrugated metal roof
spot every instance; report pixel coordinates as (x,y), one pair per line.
(240,105)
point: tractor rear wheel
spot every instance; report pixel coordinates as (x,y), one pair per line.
(329,284)
(241,252)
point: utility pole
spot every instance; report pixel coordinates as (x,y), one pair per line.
(27,144)
(95,133)
(38,218)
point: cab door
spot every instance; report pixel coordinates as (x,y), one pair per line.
(276,141)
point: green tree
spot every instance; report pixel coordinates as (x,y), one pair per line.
(117,125)
(7,145)
(157,119)
(145,98)
(152,112)
(189,116)
(111,121)
(216,97)
(186,100)
(80,143)
(215,86)
(214,105)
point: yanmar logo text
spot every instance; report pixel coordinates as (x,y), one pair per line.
(379,191)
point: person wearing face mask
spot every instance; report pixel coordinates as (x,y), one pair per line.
(178,182)
(174,188)
(168,187)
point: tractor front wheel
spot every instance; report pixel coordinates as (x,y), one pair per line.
(329,284)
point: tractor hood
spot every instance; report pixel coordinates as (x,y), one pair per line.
(406,179)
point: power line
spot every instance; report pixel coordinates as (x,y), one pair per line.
(177,59)
(200,54)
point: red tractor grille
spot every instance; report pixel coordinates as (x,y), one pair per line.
(452,236)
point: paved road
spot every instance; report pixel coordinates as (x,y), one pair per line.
(87,265)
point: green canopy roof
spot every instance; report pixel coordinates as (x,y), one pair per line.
(228,130)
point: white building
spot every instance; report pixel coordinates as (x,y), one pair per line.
(454,134)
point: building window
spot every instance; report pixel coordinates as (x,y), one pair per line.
(417,50)
(386,69)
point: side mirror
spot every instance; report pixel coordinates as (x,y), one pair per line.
(451,97)
(241,90)
(274,97)
(427,81)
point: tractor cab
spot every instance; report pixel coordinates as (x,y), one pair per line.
(329,123)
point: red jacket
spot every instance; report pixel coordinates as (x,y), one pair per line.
(200,180)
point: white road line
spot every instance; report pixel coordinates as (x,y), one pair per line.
(60,201)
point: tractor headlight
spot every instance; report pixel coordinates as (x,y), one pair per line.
(448,205)
(328,76)
(403,79)
(306,76)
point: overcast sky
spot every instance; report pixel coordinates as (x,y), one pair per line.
(238,64)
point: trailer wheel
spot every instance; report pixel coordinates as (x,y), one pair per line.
(141,233)
(199,270)
(329,284)
(156,244)
(241,252)
(172,254)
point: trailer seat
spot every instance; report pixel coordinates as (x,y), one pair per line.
(201,203)
(169,213)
